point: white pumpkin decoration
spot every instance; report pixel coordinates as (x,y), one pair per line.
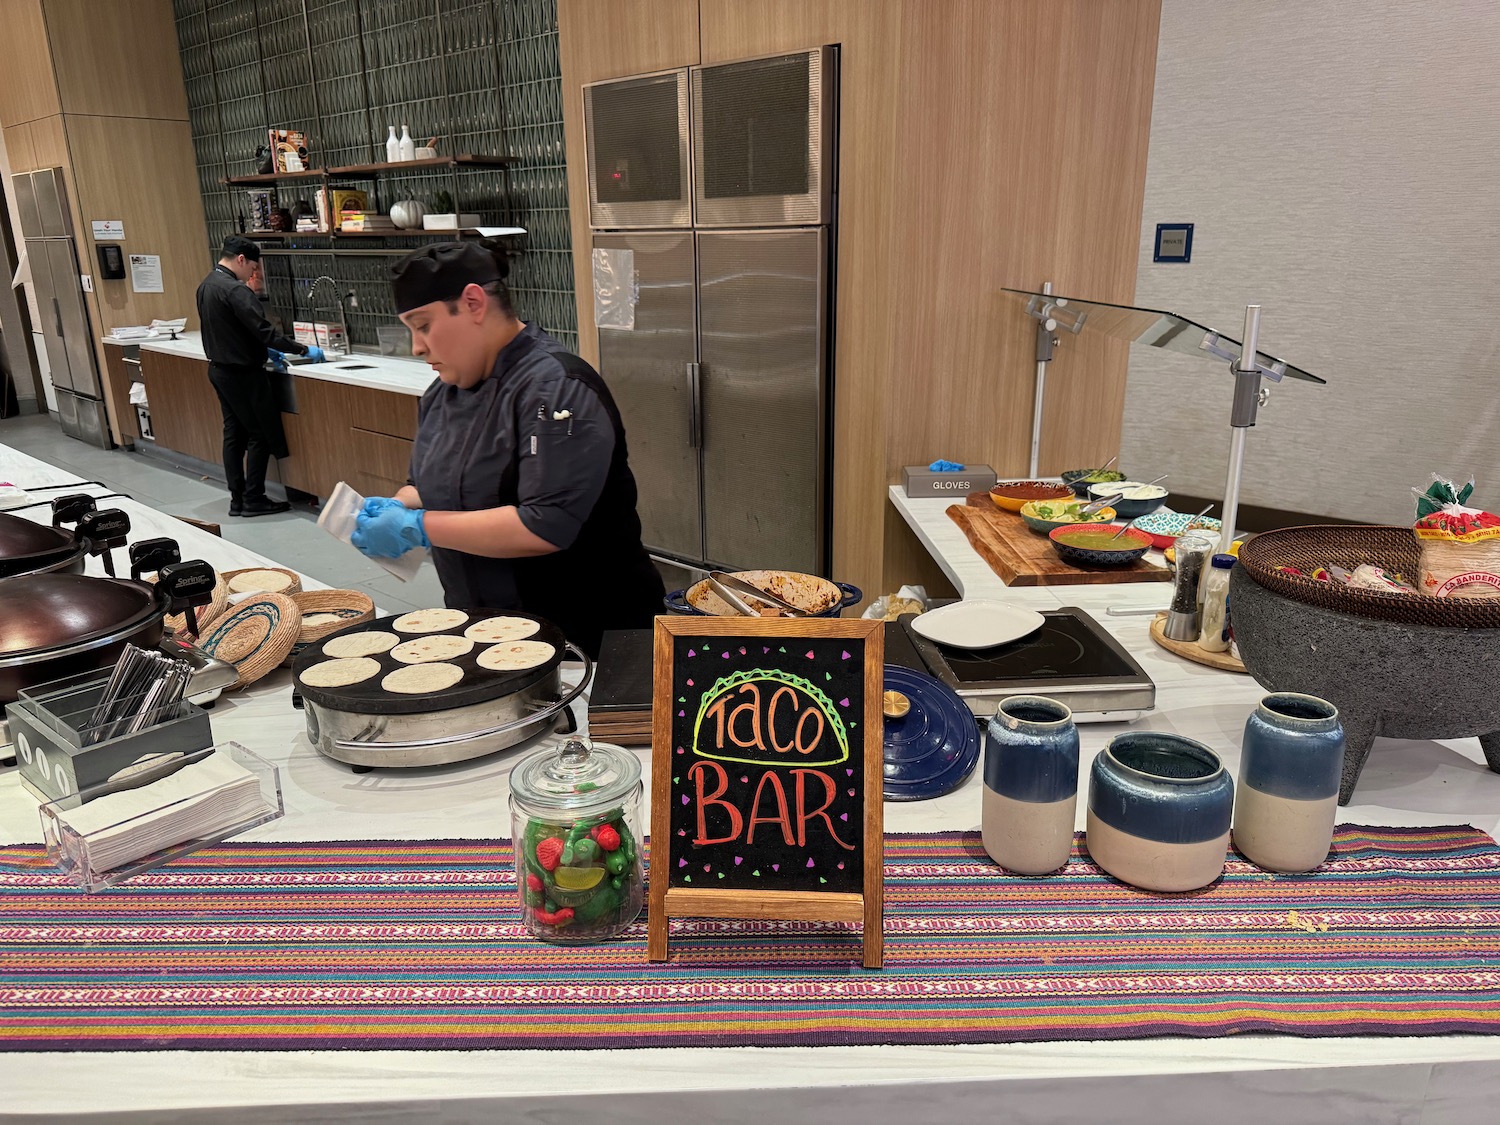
(407,214)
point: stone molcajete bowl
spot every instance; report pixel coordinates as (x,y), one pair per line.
(1395,665)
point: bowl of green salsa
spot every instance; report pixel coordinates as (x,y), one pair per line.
(1086,544)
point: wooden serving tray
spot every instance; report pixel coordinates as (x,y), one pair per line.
(1021,557)
(1189,650)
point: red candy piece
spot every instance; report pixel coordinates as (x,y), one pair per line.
(532,882)
(557,917)
(549,853)
(607,837)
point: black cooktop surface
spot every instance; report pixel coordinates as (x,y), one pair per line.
(1071,646)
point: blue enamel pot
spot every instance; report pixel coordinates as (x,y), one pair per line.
(1030,785)
(1159,811)
(1291,764)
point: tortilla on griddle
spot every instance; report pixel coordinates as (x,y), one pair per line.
(340,673)
(421,679)
(369,642)
(493,630)
(429,620)
(429,650)
(516,656)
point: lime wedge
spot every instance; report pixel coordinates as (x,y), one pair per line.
(578,878)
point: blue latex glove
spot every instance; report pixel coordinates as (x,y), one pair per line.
(374,505)
(315,353)
(390,532)
(278,360)
(942,466)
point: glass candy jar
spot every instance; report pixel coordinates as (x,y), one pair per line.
(575,810)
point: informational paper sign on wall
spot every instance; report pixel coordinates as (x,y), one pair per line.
(145,273)
(108,230)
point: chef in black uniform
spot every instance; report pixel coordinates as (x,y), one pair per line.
(520,481)
(236,338)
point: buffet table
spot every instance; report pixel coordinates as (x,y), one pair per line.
(1330,1080)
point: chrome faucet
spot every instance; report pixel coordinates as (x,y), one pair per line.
(325,282)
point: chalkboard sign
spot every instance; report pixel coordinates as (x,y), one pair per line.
(766,772)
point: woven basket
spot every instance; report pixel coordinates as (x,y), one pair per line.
(350,606)
(294,587)
(1394,548)
(255,635)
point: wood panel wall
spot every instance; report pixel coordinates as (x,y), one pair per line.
(97,89)
(983,144)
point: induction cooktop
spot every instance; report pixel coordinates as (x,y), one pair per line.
(1071,658)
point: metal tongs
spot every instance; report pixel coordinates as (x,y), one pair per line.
(727,586)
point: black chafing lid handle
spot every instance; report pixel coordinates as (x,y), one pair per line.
(71,508)
(152,554)
(105,530)
(187,584)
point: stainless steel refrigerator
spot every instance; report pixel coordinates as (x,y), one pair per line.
(47,226)
(712,199)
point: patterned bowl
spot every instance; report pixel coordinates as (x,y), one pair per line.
(1045,516)
(1091,546)
(1166,526)
(1079,480)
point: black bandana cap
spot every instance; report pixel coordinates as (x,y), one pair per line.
(440,273)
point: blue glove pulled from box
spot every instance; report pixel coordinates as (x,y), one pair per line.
(941,466)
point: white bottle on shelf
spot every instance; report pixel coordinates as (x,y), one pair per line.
(392,146)
(408,146)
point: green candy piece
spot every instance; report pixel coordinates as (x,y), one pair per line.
(567,855)
(616,862)
(533,899)
(596,907)
(585,851)
(585,787)
(549,906)
(617,883)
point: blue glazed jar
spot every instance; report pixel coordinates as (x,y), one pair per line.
(1290,765)
(1030,785)
(1159,811)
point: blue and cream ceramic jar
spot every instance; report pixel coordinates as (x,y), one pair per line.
(1030,785)
(1290,766)
(1159,811)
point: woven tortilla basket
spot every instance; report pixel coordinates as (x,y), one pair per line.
(350,606)
(1396,549)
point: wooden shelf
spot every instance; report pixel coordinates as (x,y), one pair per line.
(272,178)
(273,235)
(463,160)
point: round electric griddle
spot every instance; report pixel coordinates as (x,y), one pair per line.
(479,685)
(365,726)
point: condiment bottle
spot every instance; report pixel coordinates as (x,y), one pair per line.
(392,146)
(1214,635)
(575,814)
(408,146)
(1193,552)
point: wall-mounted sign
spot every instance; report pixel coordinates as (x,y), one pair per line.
(1174,242)
(145,273)
(108,230)
(767,771)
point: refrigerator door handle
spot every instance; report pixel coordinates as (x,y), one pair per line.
(695,407)
(57,317)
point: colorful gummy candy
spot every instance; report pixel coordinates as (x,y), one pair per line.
(581,882)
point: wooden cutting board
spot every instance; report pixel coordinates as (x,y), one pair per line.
(1021,557)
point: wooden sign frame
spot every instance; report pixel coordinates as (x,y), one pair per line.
(867,906)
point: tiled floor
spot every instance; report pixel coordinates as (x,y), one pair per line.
(293,539)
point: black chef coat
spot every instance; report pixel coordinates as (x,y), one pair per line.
(236,332)
(502,443)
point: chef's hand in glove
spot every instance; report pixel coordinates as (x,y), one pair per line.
(315,353)
(390,532)
(377,504)
(278,360)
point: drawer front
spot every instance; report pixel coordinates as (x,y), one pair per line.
(382,412)
(379,455)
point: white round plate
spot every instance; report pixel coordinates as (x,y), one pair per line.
(978,624)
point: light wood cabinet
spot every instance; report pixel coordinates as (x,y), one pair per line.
(185,414)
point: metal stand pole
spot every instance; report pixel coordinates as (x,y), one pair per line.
(1044,343)
(1248,397)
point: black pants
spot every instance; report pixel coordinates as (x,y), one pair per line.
(252,427)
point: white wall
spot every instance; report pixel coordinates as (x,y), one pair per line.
(1341,162)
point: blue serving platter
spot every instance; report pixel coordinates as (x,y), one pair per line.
(933,748)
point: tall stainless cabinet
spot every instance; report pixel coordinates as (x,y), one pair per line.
(47,227)
(712,198)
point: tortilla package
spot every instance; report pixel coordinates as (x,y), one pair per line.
(1460,545)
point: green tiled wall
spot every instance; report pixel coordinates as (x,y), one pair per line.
(481,75)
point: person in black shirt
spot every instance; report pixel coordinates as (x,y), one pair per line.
(236,338)
(520,481)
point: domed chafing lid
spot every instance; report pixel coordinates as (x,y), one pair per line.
(46,611)
(25,545)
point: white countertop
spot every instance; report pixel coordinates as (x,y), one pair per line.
(1232,1079)
(401,374)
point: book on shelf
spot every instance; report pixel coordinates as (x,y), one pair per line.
(289,149)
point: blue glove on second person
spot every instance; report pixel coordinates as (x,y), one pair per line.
(315,353)
(390,531)
(278,359)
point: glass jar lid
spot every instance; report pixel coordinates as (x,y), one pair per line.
(577,775)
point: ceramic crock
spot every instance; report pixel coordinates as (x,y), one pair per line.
(1159,811)
(1290,766)
(1030,785)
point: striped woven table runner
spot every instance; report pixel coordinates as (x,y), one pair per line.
(388,945)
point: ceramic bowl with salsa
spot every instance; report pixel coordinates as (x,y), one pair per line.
(1087,544)
(1012,494)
